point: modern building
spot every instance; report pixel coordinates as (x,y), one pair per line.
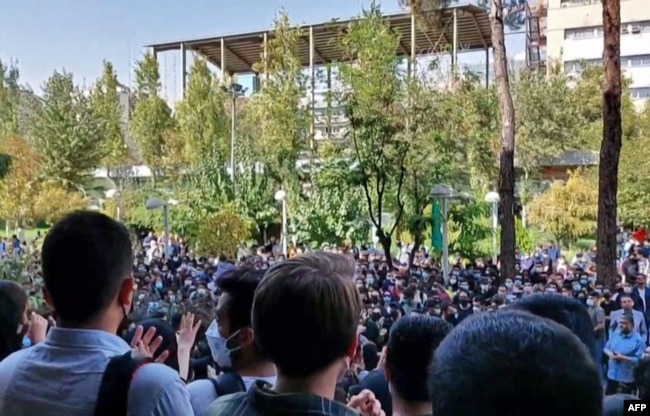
(575,36)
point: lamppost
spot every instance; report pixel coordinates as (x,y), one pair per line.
(115,194)
(492,198)
(281,196)
(444,193)
(155,203)
(235,91)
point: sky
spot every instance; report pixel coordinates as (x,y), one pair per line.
(77,35)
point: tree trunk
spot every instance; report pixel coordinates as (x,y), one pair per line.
(610,149)
(386,241)
(507,156)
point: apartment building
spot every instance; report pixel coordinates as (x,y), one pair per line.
(575,34)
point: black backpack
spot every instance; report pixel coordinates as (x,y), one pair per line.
(113,396)
(228,383)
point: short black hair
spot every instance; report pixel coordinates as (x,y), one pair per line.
(411,343)
(490,359)
(86,256)
(240,285)
(568,312)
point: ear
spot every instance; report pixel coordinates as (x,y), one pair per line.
(127,289)
(352,349)
(48,298)
(246,336)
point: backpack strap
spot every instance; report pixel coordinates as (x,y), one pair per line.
(113,396)
(228,383)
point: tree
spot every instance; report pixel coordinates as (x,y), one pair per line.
(152,117)
(9,99)
(53,203)
(222,232)
(107,111)
(66,133)
(633,188)
(568,210)
(279,108)
(20,187)
(610,149)
(507,153)
(373,99)
(202,122)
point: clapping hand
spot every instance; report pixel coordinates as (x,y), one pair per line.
(145,346)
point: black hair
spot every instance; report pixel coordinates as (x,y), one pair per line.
(412,341)
(370,357)
(240,285)
(491,358)
(86,256)
(568,312)
(13,302)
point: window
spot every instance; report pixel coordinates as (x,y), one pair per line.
(640,93)
(584,33)
(635,61)
(577,66)
(635,28)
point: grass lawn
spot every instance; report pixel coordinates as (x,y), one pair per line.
(29,233)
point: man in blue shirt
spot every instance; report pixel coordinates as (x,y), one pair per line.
(624,349)
(87,271)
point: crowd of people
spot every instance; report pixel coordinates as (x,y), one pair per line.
(156,330)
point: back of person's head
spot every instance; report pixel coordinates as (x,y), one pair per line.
(412,341)
(169,342)
(511,363)
(87,262)
(568,312)
(370,356)
(233,322)
(13,305)
(306,312)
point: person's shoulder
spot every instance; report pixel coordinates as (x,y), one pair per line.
(154,375)
(230,405)
(13,360)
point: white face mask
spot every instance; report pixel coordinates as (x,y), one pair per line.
(219,346)
(590,302)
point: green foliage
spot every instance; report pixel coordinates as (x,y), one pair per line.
(105,105)
(525,241)
(568,210)
(467,226)
(373,98)
(14,269)
(548,118)
(152,119)
(633,188)
(279,110)
(9,99)
(66,133)
(202,121)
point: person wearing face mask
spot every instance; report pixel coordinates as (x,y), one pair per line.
(625,349)
(230,338)
(597,316)
(465,308)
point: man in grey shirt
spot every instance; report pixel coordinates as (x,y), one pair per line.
(87,270)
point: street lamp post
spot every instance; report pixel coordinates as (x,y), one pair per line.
(235,91)
(115,194)
(444,193)
(281,196)
(492,198)
(155,203)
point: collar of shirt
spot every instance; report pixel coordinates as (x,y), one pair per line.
(86,338)
(262,397)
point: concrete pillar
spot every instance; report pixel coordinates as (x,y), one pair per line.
(183,69)
(223,60)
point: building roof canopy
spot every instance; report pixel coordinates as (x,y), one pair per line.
(242,51)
